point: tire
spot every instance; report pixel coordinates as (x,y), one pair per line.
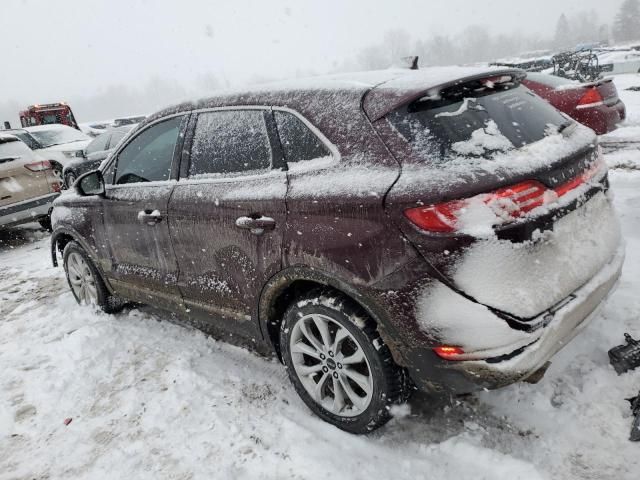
(69,179)
(81,271)
(45,223)
(364,399)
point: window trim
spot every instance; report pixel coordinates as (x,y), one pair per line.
(175,161)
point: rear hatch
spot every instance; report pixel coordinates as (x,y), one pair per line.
(503,195)
(22,175)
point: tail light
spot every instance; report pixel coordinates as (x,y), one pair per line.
(448,352)
(38,166)
(502,206)
(591,98)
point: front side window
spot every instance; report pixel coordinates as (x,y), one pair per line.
(230,141)
(298,142)
(148,157)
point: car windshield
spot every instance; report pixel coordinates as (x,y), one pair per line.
(57,136)
(475,122)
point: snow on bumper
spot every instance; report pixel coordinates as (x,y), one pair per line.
(486,338)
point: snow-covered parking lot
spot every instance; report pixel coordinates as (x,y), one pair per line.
(151,399)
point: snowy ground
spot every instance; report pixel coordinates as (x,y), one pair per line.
(150,399)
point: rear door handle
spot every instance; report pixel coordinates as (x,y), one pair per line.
(257,225)
(150,217)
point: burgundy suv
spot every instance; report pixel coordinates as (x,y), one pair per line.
(443,228)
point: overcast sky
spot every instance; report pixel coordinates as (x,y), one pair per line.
(56,49)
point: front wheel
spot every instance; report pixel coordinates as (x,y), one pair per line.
(85,281)
(338,363)
(69,180)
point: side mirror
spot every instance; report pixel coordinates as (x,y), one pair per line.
(91,183)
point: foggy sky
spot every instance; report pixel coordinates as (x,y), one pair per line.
(57,49)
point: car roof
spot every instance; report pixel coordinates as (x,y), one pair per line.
(385,90)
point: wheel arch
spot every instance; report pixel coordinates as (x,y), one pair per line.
(294,282)
(61,236)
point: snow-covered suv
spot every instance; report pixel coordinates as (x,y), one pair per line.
(444,228)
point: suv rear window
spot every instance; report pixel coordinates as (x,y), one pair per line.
(465,121)
(12,147)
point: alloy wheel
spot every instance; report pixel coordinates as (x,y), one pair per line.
(82,280)
(331,365)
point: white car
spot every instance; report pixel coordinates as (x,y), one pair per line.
(58,143)
(619,61)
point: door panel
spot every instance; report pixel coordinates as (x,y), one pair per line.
(143,267)
(227,217)
(223,266)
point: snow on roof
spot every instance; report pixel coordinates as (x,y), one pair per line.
(389,87)
(51,126)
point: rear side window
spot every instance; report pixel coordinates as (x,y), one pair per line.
(230,141)
(475,122)
(298,141)
(148,157)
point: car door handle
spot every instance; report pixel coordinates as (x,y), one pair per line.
(150,217)
(257,225)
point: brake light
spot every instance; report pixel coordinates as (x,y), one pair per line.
(591,98)
(504,205)
(448,352)
(38,166)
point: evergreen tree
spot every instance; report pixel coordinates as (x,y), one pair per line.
(563,37)
(627,23)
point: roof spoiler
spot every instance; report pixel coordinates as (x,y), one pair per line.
(391,95)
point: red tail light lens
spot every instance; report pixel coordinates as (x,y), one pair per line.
(591,98)
(506,204)
(38,166)
(448,352)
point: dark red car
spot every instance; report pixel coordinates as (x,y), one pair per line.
(444,228)
(595,104)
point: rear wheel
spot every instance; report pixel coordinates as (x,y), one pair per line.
(338,363)
(85,281)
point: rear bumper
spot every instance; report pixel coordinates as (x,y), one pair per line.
(602,118)
(27,211)
(525,352)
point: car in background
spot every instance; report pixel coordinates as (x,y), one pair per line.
(619,61)
(94,154)
(445,225)
(594,104)
(28,185)
(57,143)
(134,120)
